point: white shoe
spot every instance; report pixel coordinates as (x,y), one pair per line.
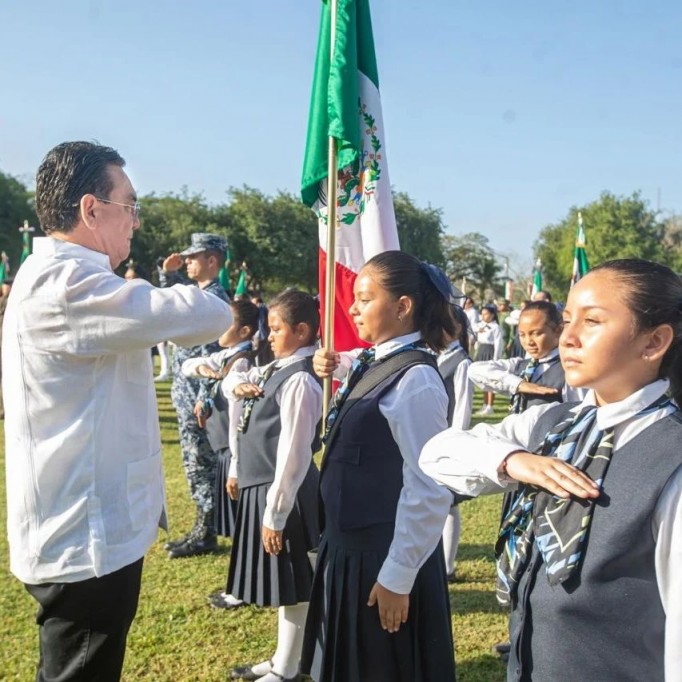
(486,409)
(162,377)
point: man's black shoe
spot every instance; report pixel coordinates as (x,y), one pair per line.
(195,547)
(502,649)
(172,544)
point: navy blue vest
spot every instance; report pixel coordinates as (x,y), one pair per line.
(218,424)
(606,623)
(258,446)
(362,471)
(447,370)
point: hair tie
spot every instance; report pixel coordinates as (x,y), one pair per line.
(441,282)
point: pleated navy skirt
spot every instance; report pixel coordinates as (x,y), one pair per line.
(225,508)
(486,351)
(343,636)
(263,579)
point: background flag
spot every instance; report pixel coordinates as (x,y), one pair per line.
(241,283)
(537,278)
(4,267)
(580,265)
(509,289)
(25,241)
(224,273)
(345,104)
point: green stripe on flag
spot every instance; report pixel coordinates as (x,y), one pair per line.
(336,92)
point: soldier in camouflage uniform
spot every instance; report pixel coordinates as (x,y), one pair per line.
(203,258)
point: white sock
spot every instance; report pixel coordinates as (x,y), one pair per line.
(163,358)
(451,533)
(290,624)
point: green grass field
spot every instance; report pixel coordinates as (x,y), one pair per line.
(176,636)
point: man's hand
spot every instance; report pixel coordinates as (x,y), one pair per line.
(393,607)
(173,263)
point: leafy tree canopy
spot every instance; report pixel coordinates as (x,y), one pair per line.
(16,205)
(470,256)
(615,227)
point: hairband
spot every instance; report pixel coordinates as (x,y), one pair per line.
(441,282)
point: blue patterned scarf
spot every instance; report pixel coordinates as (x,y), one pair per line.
(357,370)
(265,374)
(557,526)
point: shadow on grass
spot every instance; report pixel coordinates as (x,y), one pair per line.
(473,601)
(472,552)
(483,669)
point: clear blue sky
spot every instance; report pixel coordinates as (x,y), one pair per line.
(502,114)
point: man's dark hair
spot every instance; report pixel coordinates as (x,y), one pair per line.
(219,256)
(67,173)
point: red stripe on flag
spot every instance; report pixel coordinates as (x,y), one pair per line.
(345,332)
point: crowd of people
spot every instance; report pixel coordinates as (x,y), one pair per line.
(356,555)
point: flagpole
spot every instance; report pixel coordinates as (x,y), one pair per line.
(330,283)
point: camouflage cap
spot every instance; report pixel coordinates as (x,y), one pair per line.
(203,241)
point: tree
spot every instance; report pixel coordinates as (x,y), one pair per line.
(277,237)
(615,227)
(420,230)
(672,241)
(167,223)
(16,205)
(470,256)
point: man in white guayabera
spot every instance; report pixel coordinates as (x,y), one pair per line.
(85,487)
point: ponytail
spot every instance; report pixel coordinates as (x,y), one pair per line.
(245,314)
(462,326)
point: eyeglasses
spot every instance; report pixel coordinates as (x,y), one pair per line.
(134,208)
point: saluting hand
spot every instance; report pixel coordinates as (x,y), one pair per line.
(393,607)
(554,475)
(325,362)
(173,263)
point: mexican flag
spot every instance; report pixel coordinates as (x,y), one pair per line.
(345,104)
(580,265)
(537,278)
